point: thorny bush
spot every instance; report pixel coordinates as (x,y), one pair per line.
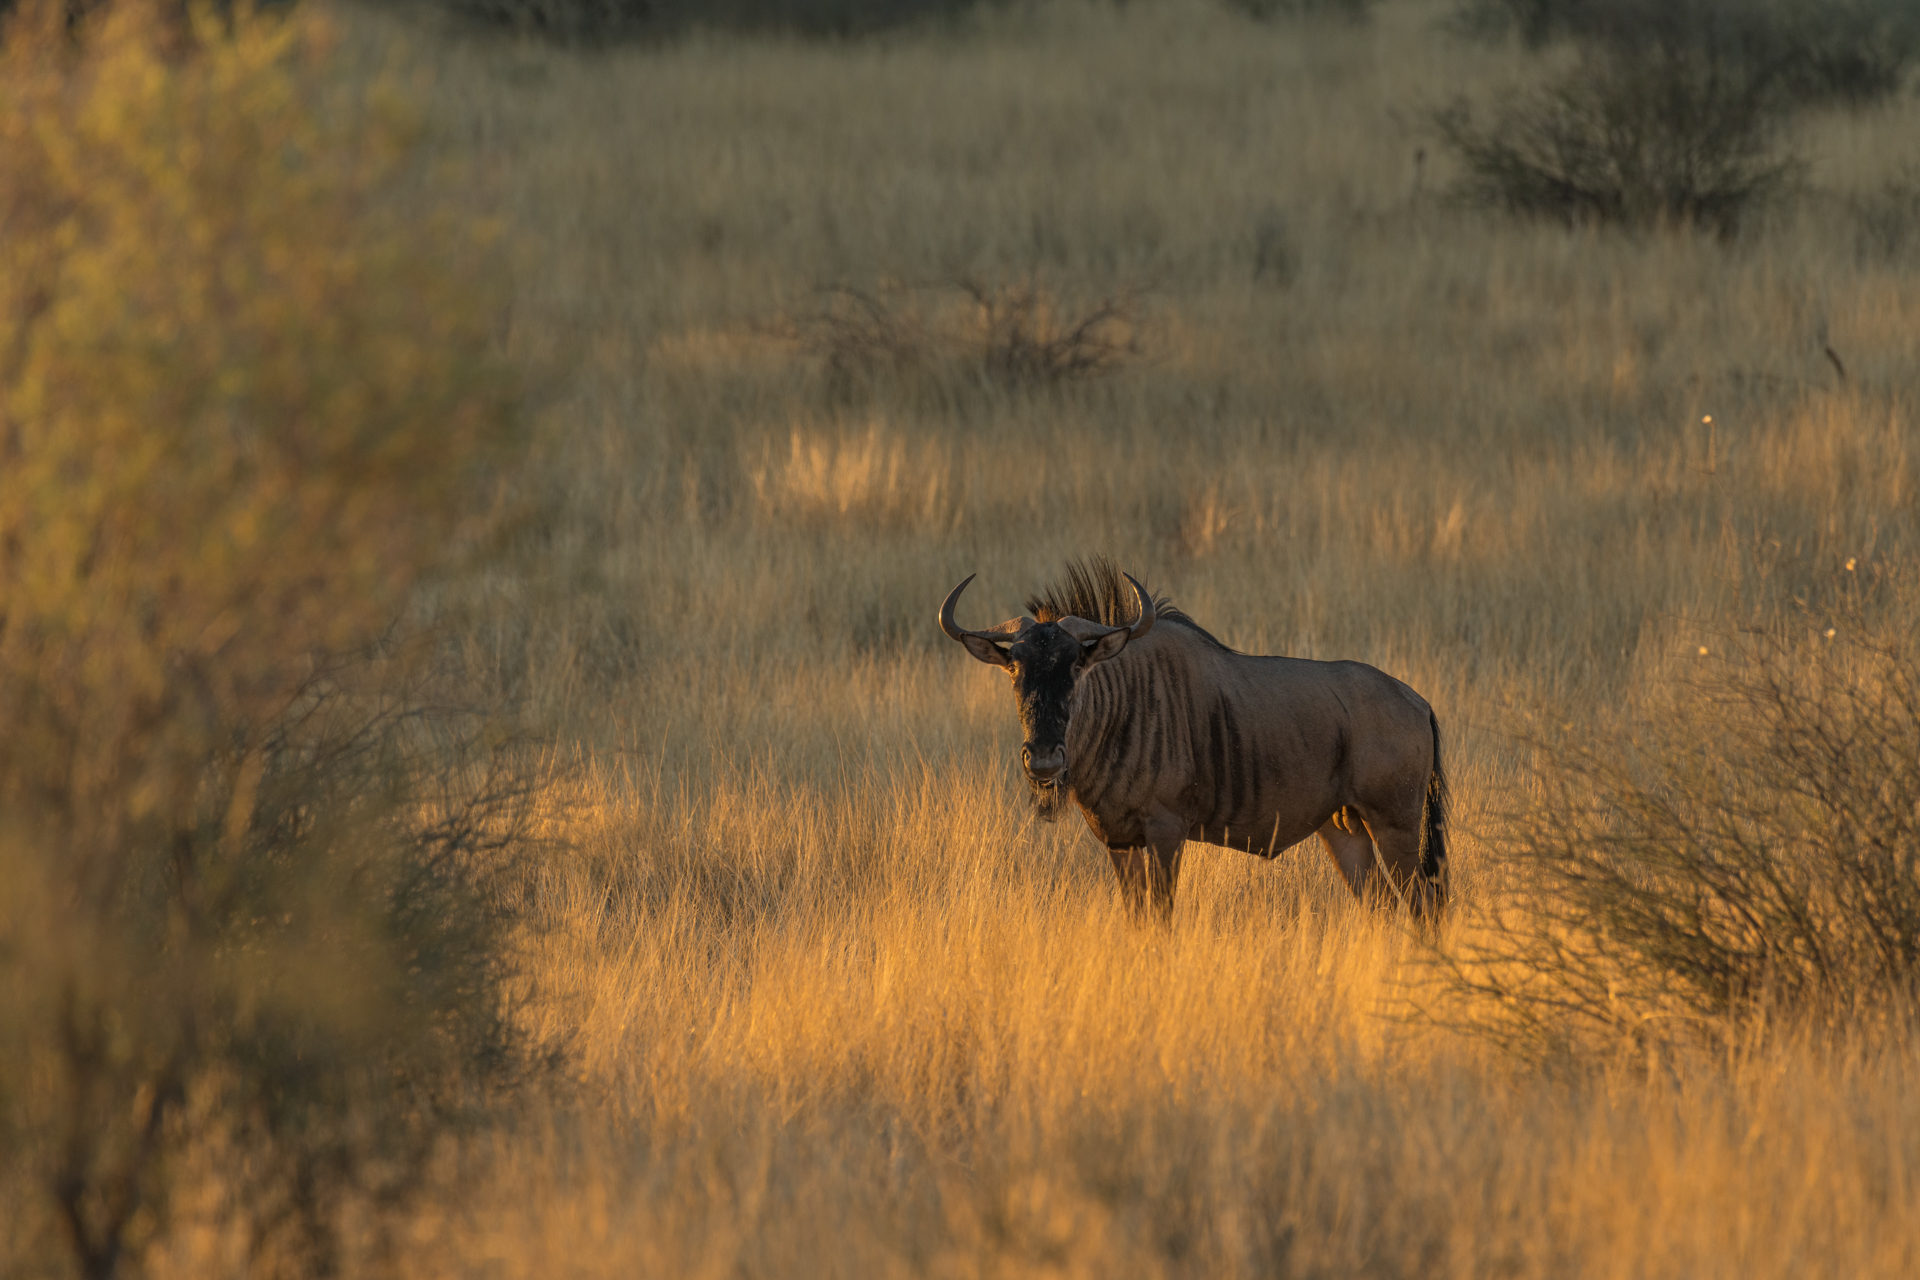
(1011,336)
(1744,844)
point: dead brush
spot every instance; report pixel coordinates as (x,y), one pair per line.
(1023,337)
(856,334)
(1010,336)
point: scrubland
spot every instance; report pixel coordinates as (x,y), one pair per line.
(829,999)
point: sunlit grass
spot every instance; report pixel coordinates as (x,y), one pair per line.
(837,1004)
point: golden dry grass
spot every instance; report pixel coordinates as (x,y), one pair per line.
(836,1004)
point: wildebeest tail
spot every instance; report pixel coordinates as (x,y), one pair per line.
(1433,840)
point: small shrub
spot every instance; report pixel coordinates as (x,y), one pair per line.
(856,334)
(1011,336)
(1746,846)
(1636,140)
(1021,336)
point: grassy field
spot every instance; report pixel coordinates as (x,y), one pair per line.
(836,1003)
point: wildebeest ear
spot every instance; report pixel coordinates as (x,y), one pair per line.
(1104,647)
(984,649)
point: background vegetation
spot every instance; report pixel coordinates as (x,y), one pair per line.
(1672,112)
(594,22)
(808,331)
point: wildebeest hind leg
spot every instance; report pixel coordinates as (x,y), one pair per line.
(1400,856)
(1352,853)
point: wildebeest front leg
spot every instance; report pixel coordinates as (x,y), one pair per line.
(1132,868)
(1148,877)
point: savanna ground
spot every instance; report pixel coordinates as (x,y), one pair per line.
(831,1001)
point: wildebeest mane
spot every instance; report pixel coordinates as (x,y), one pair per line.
(1095,589)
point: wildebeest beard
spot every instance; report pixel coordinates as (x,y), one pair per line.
(1050,798)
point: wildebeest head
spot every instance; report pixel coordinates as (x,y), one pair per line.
(1046,661)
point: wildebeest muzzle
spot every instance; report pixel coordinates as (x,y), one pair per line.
(1044,763)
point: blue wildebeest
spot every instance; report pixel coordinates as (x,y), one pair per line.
(1161,734)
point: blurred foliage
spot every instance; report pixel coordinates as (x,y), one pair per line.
(1887,220)
(1272,10)
(593,21)
(246,405)
(178,13)
(1743,843)
(1851,51)
(596,21)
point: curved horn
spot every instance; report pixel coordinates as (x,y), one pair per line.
(1003,631)
(1144,623)
(947,624)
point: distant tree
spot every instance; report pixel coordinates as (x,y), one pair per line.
(1637,139)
